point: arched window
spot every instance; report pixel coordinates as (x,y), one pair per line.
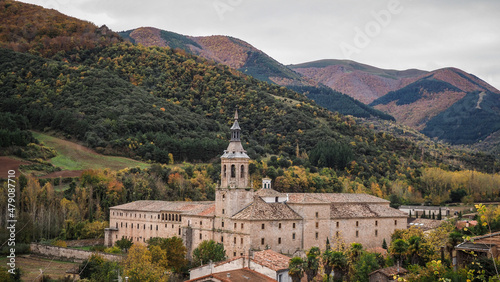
(233,171)
(242,171)
(225,171)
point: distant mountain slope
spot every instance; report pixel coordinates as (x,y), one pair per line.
(362,82)
(240,55)
(469,120)
(230,51)
(435,92)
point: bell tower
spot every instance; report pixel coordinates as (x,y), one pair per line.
(234,192)
(234,161)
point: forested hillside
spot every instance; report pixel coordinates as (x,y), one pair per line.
(166,106)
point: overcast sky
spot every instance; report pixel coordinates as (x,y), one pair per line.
(393,34)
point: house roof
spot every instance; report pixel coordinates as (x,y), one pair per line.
(321,198)
(390,271)
(425,224)
(206,208)
(352,210)
(268,192)
(271,260)
(481,243)
(260,210)
(238,275)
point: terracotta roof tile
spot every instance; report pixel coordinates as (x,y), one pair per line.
(363,210)
(271,260)
(190,208)
(333,198)
(238,275)
(268,193)
(260,210)
(391,271)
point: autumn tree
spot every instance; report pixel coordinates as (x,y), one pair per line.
(207,251)
(139,266)
(174,250)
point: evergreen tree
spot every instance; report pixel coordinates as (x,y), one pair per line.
(384,245)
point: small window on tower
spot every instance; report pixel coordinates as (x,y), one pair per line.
(242,171)
(225,170)
(233,171)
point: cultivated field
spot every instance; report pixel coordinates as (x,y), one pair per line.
(32,267)
(75,157)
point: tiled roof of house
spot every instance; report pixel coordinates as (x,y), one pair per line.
(260,210)
(354,210)
(268,193)
(238,275)
(206,208)
(390,271)
(309,198)
(425,224)
(271,260)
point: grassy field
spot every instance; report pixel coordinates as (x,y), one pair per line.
(72,156)
(31,266)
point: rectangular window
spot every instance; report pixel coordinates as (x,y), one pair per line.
(337,234)
(317,224)
(317,235)
(263,225)
(222,238)
(337,224)
(201,223)
(279,225)
(241,241)
(200,236)
(262,241)
(279,240)
(235,226)
(357,233)
(223,224)
(293,236)
(222,211)
(317,214)
(179,231)
(395,222)
(293,225)
(376,222)
(357,223)
(235,240)
(234,254)
(242,226)
(376,233)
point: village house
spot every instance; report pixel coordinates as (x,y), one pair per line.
(268,262)
(243,219)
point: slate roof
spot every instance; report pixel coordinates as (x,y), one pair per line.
(205,208)
(310,198)
(363,210)
(271,260)
(260,210)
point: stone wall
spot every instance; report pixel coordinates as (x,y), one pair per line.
(68,254)
(85,242)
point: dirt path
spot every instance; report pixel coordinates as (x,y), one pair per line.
(8,163)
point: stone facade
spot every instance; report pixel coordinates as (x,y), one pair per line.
(243,219)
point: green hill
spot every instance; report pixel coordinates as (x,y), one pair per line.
(468,121)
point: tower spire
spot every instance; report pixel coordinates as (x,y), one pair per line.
(235,129)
